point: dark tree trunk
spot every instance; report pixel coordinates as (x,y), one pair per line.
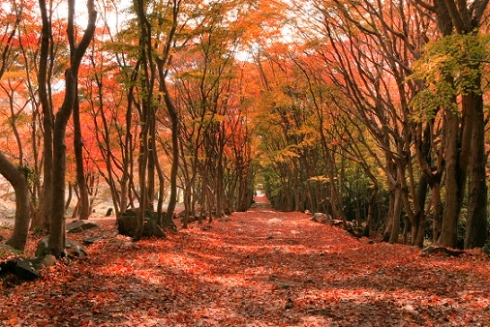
(476,224)
(455,176)
(78,145)
(172,112)
(418,223)
(174,120)
(47,188)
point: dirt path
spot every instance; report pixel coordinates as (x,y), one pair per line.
(257,268)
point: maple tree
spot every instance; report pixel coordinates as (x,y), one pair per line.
(15,175)
(77,50)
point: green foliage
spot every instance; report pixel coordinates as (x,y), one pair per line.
(449,67)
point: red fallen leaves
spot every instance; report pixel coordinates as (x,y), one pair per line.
(260,268)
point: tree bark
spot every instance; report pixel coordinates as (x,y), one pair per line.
(47,190)
(78,146)
(476,223)
(454,181)
(16,177)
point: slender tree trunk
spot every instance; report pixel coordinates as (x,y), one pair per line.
(147,113)
(389,216)
(397,209)
(48,121)
(418,217)
(370,213)
(152,155)
(174,118)
(57,225)
(78,145)
(171,110)
(56,240)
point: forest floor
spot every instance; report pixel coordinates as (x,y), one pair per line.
(257,268)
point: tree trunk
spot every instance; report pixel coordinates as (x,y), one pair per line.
(174,119)
(56,240)
(418,223)
(397,210)
(476,224)
(370,213)
(389,216)
(47,188)
(16,177)
(171,110)
(78,145)
(454,181)
(57,224)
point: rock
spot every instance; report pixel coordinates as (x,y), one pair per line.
(91,240)
(9,250)
(27,269)
(322,218)
(8,258)
(79,226)
(224,219)
(49,260)
(7,266)
(129,245)
(73,249)
(42,248)
(274,221)
(439,250)
(151,229)
(126,224)
(192,217)
(486,249)
(410,309)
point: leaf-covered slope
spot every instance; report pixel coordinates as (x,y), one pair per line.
(259,268)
